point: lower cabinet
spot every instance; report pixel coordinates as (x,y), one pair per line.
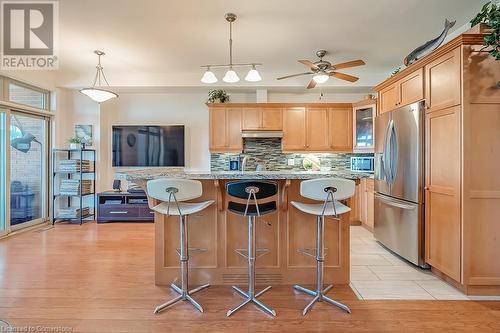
(442,191)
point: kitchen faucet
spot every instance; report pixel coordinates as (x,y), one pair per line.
(260,165)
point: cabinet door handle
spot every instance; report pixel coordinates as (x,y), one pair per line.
(119,212)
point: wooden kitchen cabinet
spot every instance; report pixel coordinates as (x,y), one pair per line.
(411,88)
(263,119)
(294,129)
(443,83)
(462,196)
(272,119)
(407,90)
(317,131)
(369,202)
(363,128)
(340,127)
(442,191)
(225,130)
(388,98)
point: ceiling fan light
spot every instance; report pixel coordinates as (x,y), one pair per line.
(253,75)
(320,78)
(231,76)
(209,77)
(98,95)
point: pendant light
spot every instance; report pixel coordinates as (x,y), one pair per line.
(253,75)
(209,77)
(97,94)
(231,76)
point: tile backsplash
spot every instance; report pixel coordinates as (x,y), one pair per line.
(268,150)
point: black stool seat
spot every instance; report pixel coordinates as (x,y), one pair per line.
(264,208)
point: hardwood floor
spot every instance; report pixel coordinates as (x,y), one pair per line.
(99,278)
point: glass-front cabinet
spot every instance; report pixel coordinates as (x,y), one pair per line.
(363,131)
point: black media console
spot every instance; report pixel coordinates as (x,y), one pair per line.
(123,207)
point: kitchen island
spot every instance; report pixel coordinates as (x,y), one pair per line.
(215,233)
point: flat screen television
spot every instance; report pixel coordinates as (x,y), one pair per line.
(148,146)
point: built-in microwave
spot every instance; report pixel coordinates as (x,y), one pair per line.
(362,164)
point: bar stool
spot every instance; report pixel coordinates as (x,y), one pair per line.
(172,192)
(251,191)
(327,190)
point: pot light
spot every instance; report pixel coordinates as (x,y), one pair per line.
(253,75)
(209,77)
(321,77)
(97,94)
(231,76)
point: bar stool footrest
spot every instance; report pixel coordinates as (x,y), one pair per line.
(260,252)
(192,250)
(311,252)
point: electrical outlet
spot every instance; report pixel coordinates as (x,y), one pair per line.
(291,161)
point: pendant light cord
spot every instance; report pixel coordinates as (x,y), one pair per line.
(231,43)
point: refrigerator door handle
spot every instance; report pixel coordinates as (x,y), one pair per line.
(385,157)
(393,147)
(394,203)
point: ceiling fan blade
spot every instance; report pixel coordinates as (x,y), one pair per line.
(293,75)
(308,64)
(311,84)
(343,76)
(348,64)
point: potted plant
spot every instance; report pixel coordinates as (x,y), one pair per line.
(218,96)
(490,16)
(75,142)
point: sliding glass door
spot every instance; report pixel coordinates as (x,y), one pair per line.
(3,173)
(28,169)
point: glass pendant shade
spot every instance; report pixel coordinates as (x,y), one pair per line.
(253,75)
(231,76)
(320,78)
(98,95)
(209,77)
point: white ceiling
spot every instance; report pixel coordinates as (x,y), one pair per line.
(164,43)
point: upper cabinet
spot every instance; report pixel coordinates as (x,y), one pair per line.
(340,127)
(317,138)
(363,130)
(225,129)
(294,129)
(263,119)
(442,83)
(407,90)
(313,127)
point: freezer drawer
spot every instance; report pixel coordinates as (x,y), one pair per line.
(399,227)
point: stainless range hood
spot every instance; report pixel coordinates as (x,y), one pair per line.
(262,134)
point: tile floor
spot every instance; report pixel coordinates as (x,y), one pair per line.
(376,273)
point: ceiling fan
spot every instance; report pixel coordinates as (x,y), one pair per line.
(322,70)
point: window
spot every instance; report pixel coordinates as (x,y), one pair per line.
(26,95)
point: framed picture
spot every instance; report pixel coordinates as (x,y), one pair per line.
(84,132)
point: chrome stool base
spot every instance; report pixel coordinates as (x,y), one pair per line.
(183,296)
(254,300)
(318,297)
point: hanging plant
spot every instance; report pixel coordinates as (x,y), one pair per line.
(218,96)
(490,15)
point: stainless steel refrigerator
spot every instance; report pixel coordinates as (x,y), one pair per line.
(399,199)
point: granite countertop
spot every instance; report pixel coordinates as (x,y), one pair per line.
(153,173)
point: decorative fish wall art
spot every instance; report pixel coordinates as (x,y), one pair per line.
(430,46)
